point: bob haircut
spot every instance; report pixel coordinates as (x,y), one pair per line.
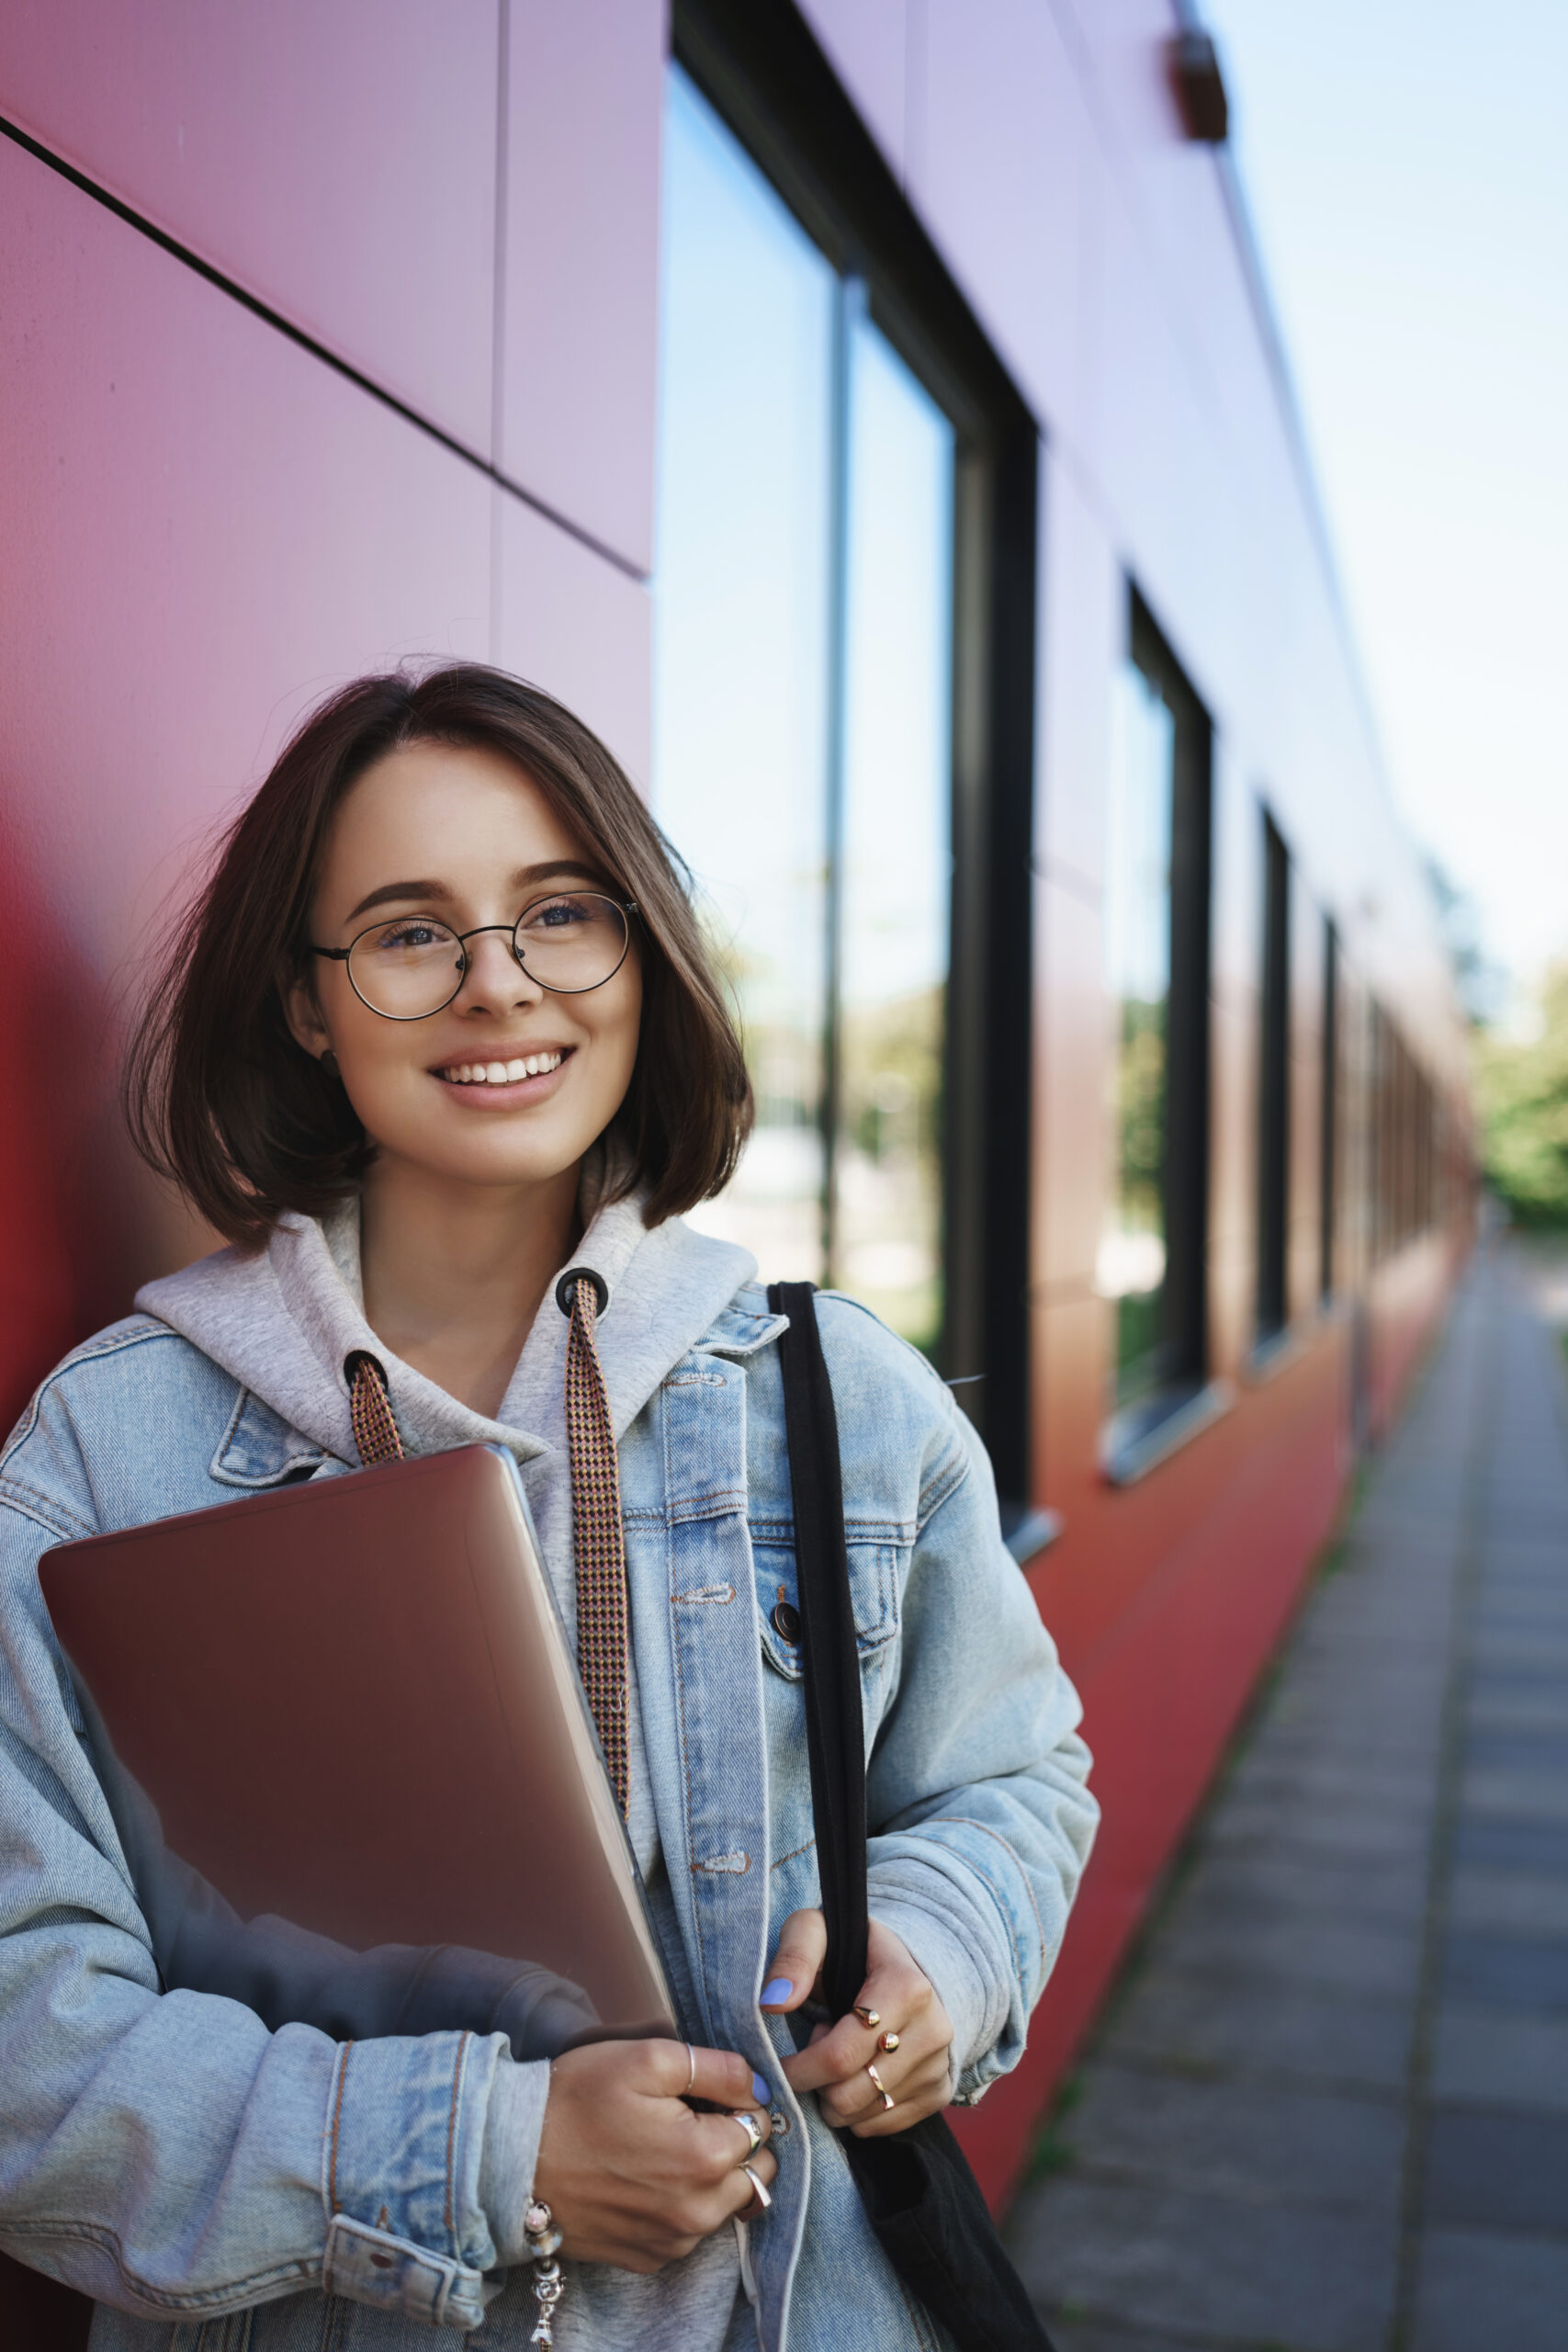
(221,1098)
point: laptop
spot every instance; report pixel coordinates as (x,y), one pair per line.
(341,1731)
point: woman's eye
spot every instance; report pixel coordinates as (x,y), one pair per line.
(561,914)
(409,934)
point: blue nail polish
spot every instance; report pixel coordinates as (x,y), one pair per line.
(776,1990)
(760,2090)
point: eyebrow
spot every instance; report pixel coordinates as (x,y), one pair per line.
(390,893)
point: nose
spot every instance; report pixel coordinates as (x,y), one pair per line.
(494,979)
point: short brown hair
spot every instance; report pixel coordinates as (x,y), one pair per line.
(220,1096)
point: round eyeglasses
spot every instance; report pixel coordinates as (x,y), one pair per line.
(409,966)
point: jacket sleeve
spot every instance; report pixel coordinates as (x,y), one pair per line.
(977,1791)
(164,2152)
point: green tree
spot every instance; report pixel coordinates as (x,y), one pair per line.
(1523,1094)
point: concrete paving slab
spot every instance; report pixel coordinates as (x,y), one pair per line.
(1489,2169)
(1332,1886)
(1478,2289)
(1517,1795)
(1209,2023)
(1511,1845)
(1239,2181)
(1485,1971)
(1235,2138)
(1360,1956)
(1250,2274)
(1509,1903)
(1490,2060)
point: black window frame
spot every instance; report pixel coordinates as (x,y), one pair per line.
(1142,1434)
(759,65)
(1272,1313)
(1328,1129)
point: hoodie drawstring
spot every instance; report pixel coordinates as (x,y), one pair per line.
(598,1542)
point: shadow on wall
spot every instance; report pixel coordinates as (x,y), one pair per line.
(81,1222)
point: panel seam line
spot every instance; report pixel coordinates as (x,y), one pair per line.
(307,341)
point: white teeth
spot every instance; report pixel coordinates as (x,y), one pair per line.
(501,1073)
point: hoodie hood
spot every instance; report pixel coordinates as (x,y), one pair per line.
(282,1323)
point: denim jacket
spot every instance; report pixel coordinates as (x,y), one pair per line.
(220,2188)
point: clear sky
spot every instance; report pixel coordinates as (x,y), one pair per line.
(1405,164)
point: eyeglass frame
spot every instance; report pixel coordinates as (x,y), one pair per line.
(340,955)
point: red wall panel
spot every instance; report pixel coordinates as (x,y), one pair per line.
(338,161)
(580,323)
(206,528)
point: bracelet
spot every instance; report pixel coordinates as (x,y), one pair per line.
(539,2231)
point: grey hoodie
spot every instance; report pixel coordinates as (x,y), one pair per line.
(282,1323)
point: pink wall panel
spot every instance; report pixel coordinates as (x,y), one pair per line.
(996,176)
(206,528)
(338,161)
(579,309)
(579,627)
(876,48)
(1083,636)
(1072,1114)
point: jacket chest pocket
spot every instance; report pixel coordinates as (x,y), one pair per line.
(876,1566)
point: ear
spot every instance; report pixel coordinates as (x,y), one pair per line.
(304,1015)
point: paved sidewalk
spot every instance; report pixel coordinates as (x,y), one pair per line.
(1329,2112)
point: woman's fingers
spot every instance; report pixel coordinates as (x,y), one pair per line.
(789,1977)
(688,2071)
(897,1999)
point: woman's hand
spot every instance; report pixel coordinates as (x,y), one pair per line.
(631,2175)
(916,2072)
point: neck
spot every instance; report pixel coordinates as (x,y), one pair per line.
(454,1274)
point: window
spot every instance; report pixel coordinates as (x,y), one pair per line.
(844,692)
(1328,1131)
(1150,1262)
(802,753)
(1274,1089)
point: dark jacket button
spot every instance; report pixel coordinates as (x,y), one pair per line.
(786,1624)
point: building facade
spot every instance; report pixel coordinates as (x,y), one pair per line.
(870,417)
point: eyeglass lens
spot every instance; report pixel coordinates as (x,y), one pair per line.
(412,966)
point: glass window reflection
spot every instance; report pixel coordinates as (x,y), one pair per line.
(741,641)
(1131,1259)
(896,868)
(802,733)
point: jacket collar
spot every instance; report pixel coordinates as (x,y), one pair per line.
(282,1322)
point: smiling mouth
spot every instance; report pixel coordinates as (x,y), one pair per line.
(500,1073)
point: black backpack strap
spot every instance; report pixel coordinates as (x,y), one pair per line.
(835,1725)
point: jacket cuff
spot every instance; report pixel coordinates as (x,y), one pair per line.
(978,2014)
(513,2122)
(400,2176)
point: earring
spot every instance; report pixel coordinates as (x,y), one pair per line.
(329,1063)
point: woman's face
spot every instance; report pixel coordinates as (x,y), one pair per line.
(466,837)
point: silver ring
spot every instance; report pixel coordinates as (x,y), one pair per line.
(752,2128)
(763,2198)
(691,2075)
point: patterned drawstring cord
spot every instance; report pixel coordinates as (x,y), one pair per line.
(600,1557)
(370,1410)
(598,1543)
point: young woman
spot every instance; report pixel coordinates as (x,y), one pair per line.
(440,1026)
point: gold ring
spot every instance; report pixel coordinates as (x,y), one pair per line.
(889,2042)
(867,2015)
(761,2194)
(883,2093)
(752,2128)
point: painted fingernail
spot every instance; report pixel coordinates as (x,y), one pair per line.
(760,2091)
(777,1989)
